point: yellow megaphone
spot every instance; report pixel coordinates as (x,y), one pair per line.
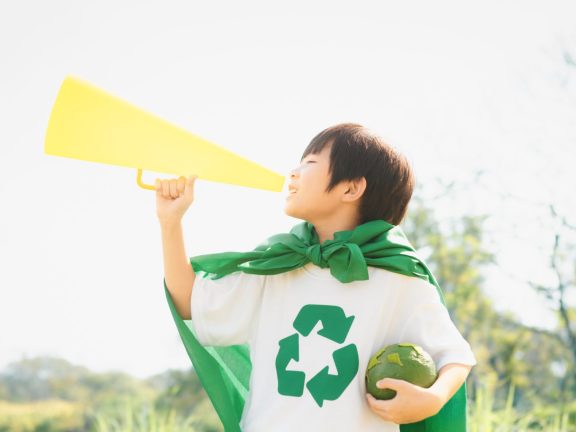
(89,124)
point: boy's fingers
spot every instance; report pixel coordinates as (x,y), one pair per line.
(371,399)
(181,184)
(174,188)
(166,189)
(377,404)
(391,383)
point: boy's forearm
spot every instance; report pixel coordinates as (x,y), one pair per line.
(450,379)
(178,272)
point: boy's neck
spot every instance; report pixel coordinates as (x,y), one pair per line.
(326,229)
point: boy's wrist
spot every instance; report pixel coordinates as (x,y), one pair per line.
(450,378)
(168,222)
(440,393)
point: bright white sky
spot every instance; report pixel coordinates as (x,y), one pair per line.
(458,87)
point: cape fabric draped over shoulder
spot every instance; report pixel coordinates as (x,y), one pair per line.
(225,371)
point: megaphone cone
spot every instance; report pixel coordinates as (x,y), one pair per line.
(89,124)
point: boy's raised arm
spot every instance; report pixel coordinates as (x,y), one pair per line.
(173,197)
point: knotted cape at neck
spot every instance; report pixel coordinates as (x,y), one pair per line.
(376,243)
(225,371)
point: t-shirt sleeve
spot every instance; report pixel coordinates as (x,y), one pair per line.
(429,325)
(225,311)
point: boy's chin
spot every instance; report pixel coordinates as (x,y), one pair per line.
(293,213)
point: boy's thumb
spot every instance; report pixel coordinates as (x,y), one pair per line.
(391,383)
(190,184)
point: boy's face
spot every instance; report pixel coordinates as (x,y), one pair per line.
(307,198)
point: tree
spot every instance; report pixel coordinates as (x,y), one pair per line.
(456,252)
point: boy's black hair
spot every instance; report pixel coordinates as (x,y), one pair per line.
(356,152)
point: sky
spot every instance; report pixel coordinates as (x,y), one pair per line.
(477,94)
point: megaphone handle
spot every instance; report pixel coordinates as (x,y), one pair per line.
(142,184)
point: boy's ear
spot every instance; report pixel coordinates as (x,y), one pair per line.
(355,189)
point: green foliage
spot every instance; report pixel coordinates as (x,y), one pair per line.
(179,390)
(41,416)
(486,416)
(520,383)
(41,378)
(131,417)
(508,352)
(172,401)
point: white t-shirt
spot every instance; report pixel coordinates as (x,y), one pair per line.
(282,318)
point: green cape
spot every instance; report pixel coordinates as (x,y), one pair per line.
(225,371)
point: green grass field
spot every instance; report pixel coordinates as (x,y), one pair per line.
(131,416)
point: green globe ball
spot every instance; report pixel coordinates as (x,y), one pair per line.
(402,361)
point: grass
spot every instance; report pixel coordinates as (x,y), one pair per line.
(145,418)
(48,415)
(484,416)
(130,415)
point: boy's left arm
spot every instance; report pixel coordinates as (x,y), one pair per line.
(413,403)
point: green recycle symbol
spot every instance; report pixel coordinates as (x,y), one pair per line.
(322,386)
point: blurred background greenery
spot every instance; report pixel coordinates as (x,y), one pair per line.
(524,380)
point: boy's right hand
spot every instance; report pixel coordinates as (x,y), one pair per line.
(173,197)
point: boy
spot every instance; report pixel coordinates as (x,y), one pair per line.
(335,273)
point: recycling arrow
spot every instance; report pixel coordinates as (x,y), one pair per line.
(290,383)
(324,386)
(335,324)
